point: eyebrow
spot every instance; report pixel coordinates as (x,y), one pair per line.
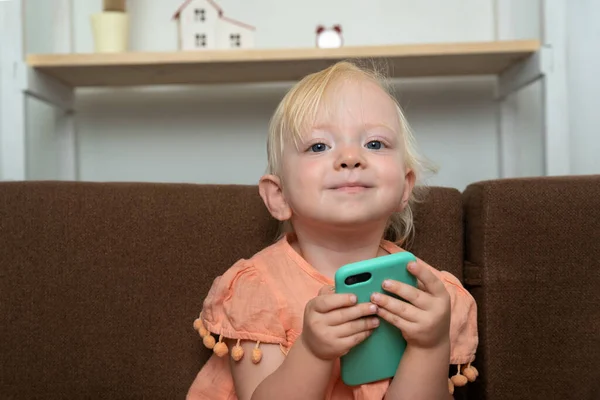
(378,125)
(365,126)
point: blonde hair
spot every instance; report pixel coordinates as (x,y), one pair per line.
(299,108)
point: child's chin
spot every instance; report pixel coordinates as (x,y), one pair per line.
(351,220)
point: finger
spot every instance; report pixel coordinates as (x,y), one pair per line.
(419,298)
(328,289)
(343,315)
(401,308)
(424,273)
(351,328)
(329,302)
(351,341)
(395,320)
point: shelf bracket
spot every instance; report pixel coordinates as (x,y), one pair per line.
(45,88)
(525,73)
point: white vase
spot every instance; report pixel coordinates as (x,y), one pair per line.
(110,30)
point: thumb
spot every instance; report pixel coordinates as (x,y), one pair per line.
(327,289)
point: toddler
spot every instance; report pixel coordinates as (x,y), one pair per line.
(342,168)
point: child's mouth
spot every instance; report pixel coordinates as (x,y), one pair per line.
(351,187)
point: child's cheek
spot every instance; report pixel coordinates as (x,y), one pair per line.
(310,166)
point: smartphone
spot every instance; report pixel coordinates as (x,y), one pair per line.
(377,357)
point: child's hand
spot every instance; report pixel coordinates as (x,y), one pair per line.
(333,323)
(424,318)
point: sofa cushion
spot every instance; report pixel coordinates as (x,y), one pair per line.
(100,282)
(532,246)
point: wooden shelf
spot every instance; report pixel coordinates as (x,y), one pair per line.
(270,65)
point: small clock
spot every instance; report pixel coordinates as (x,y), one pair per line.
(329,38)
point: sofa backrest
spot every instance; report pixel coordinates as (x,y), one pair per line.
(533,266)
(100,282)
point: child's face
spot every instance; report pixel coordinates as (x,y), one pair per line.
(349,168)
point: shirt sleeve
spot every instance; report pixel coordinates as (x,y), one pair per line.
(464,337)
(242,305)
(463,321)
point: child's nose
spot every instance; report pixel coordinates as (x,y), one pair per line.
(350,158)
(356,165)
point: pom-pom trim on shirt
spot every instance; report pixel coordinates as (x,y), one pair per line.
(464,374)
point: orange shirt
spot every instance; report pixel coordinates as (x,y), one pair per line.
(263,299)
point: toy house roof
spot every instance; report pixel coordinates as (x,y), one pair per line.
(238,23)
(187,2)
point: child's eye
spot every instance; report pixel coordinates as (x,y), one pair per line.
(318,147)
(374,145)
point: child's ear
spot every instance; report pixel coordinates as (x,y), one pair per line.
(271,192)
(409,184)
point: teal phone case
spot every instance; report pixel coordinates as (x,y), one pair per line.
(378,356)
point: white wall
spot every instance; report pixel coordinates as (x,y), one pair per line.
(190,136)
(583,18)
(47,29)
(521,115)
(11,114)
(216,134)
(518,19)
(1,139)
(2,23)
(363,22)
(42,143)
(522,133)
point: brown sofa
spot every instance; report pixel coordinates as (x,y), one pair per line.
(100,282)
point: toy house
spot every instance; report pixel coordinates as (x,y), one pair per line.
(203,25)
(232,34)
